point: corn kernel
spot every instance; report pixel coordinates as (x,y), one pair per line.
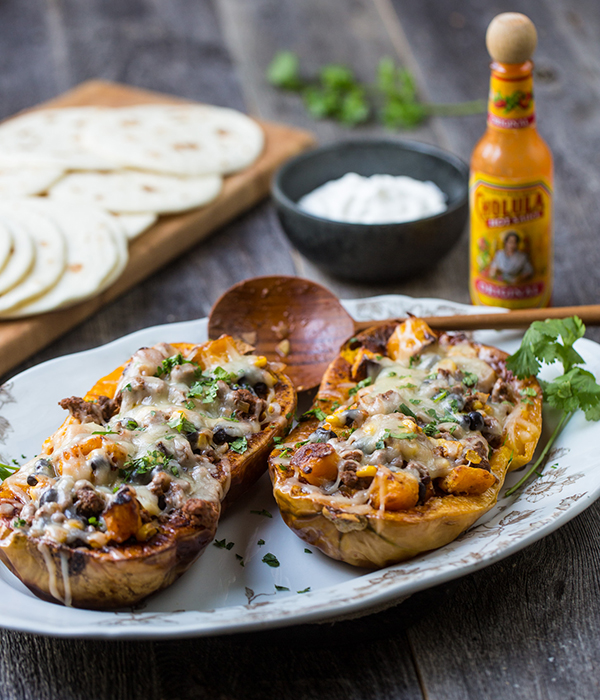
(335,421)
(77,524)
(146,532)
(477,405)
(368,470)
(260,361)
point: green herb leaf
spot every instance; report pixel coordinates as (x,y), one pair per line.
(262,512)
(281,588)
(223,544)
(470,379)
(239,445)
(284,71)
(406,411)
(181,424)
(363,383)
(306,590)
(260,543)
(307,551)
(6,470)
(271,560)
(317,412)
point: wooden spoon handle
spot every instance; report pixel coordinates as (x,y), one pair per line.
(590,315)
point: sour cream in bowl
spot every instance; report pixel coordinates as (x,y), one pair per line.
(373,210)
(379,199)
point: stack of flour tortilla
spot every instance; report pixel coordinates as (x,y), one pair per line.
(77,184)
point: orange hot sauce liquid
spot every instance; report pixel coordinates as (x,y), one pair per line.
(511,198)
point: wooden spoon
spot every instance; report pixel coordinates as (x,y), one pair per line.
(300,323)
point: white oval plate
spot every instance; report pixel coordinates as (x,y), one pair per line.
(218,595)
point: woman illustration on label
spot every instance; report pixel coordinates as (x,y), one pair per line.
(510,264)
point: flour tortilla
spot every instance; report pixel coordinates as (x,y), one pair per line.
(176,139)
(135,224)
(6,245)
(95,245)
(22,257)
(22,181)
(50,253)
(50,137)
(128,191)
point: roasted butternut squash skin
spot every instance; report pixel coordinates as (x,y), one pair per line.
(150,519)
(430,478)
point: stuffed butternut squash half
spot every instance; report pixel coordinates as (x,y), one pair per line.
(127,493)
(407,444)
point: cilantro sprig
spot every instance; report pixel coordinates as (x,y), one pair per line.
(336,93)
(549,342)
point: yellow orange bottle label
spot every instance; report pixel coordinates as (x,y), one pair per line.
(511,104)
(511,242)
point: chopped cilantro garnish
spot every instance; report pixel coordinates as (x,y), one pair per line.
(285,452)
(260,543)
(307,551)
(166,366)
(277,440)
(127,386)
(19,522)
(301,443)
(470,379)
(406,411)
(431,430)
(262,512)
(408,386)
(223,544)
(363,383)
(93,521)
(131,424)
(239,445)
(431,412)
(104,432)
(145,464)
(318,413)
(181,424)
(405,436)
(271,560)
(528,391)
(391,374)
(415,402)
(335,405)
(281,588)
(440,396)
(240,558)
(306,590)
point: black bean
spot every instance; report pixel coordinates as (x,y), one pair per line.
(99,462)
(220,436)
(322,435)
(43,466)
(49,496)
(261,390)
(31,480)
(476,421)
(353,416)
(422,493)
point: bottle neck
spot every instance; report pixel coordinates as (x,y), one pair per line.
(511,104)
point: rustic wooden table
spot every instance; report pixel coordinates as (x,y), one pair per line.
(527,627)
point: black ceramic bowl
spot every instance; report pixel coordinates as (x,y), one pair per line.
(372,252)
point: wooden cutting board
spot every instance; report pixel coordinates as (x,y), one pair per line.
(169,237)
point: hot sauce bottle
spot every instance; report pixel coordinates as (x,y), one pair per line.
(510,188)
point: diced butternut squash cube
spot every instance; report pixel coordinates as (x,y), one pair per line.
(468,481)
(393,490)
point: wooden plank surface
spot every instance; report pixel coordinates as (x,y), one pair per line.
(524,628)
(165,240)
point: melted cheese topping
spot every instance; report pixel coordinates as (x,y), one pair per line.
(168,442)
(421,415)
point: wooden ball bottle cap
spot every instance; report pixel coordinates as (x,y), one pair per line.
(511,38)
